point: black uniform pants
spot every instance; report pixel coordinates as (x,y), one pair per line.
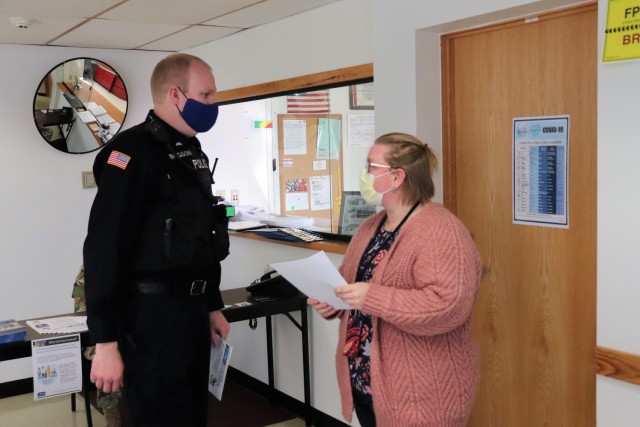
(166,347)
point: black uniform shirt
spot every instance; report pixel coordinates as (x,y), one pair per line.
(139,181)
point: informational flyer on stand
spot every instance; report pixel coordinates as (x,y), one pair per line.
(57,366)
(220,356)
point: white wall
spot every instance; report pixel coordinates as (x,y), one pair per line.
(44,208)
(327,38)
(618,403)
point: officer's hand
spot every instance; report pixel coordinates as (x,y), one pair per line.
(219,325)
(107,367)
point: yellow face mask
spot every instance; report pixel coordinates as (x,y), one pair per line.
(368,193)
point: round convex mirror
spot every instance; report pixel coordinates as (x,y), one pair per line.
(80,105)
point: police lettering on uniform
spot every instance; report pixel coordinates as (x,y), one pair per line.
(152,254)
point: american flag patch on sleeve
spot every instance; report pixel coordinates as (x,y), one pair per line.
(118,159)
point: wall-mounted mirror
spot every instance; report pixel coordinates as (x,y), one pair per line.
(79,105)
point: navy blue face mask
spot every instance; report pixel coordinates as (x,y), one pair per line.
(199,116)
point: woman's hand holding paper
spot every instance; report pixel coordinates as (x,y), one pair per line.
(353,294)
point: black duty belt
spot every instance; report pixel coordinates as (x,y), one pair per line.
(197,287)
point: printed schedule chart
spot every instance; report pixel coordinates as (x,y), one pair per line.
(540,180)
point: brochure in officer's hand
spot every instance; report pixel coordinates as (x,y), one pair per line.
(218,365)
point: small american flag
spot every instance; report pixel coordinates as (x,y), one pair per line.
(310,102)
(118,159)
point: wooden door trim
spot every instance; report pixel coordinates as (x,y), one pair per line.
(618,364)
(448,126)
(357,73)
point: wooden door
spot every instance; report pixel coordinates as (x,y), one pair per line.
(535,318)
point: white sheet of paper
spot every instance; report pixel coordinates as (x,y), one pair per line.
(315,276)
(59,325)
(295,137)
(320,192)
(297,201)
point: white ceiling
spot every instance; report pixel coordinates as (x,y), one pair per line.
(165,25)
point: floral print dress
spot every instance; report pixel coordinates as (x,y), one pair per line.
(359,327)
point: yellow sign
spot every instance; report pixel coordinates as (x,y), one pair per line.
(622,32)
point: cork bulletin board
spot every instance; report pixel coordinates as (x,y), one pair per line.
(310,151)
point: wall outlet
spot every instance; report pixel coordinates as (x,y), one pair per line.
(235,196)
(88,180)
(221,193)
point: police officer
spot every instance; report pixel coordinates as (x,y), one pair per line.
(152,252)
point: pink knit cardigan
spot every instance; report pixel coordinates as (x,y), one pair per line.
(425,365)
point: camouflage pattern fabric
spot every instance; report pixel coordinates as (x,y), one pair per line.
(79,303)
(105,400)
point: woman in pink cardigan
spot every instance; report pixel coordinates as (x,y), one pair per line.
(405,354)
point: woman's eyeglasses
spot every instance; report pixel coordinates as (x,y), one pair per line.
(376,165)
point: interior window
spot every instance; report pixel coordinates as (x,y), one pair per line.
(304,150)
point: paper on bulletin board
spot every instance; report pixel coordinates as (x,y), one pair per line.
(296,194)
(320,192)
(295,137)
(328,141)
(361,130)
(622,31)
(540,171)
(297,201)
(319,165)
